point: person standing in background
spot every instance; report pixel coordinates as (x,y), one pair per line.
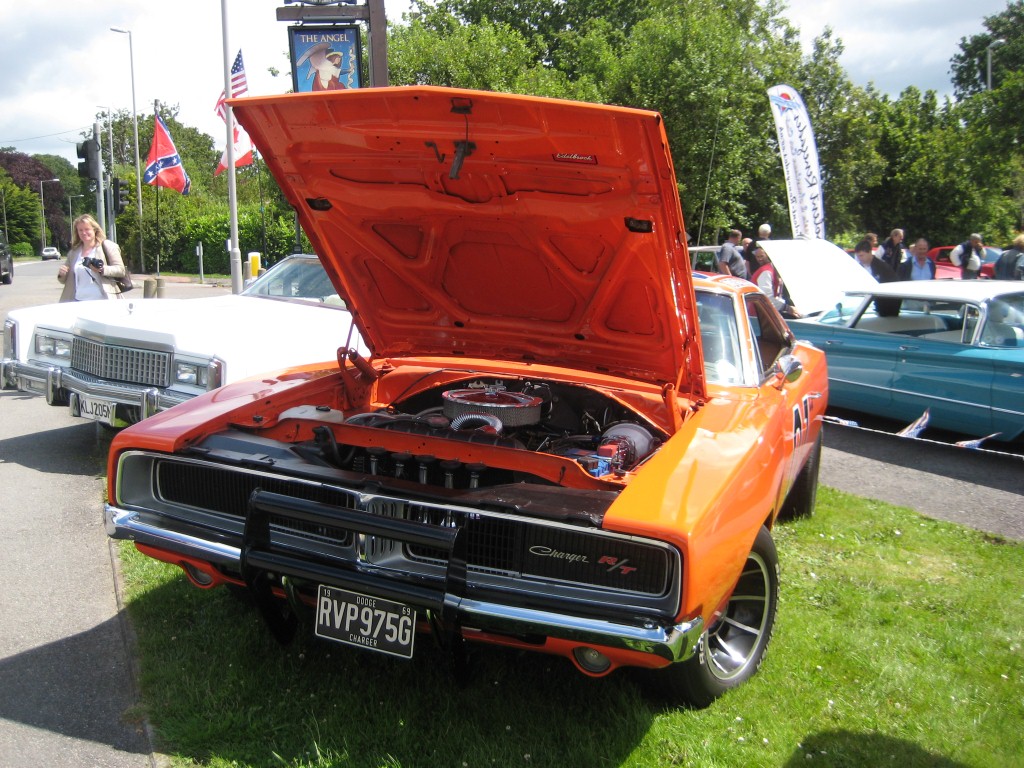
(891,251)
(730,260)
(1010,265)
(93,264)
(918,266)
(968,256)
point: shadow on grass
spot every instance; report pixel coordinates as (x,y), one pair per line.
(217,688)
(845,749)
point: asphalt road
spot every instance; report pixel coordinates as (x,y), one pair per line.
(979,490)
(67,676)
(68,692)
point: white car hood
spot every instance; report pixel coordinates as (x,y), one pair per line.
(229,326)
(816,272)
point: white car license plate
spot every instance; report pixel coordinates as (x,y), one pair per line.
(368,622)
(95,409)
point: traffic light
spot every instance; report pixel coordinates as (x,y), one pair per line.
(119,195)
(89,166)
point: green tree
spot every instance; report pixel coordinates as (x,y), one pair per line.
(20,215)
(970,65)
(27,173)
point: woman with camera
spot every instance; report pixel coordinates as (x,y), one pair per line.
(94,264)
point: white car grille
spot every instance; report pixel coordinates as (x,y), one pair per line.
(115,363)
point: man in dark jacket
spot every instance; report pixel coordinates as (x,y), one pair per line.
(1010,265)
(918,266)
(879,270)
(891,251)
(882,272)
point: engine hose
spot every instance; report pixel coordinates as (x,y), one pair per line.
(488,419)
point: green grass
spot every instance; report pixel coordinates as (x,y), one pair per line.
(898,643)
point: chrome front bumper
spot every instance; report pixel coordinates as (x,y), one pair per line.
(673,643)
(59,385)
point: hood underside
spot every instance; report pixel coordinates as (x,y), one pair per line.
(490,225)
(816,272)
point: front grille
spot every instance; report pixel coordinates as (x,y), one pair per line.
(117,363)
(496,544)
(227,493)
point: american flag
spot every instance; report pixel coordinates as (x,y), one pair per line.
(239,86)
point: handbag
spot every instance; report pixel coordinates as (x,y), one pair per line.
(124,284)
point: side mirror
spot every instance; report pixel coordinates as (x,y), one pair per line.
(787,369)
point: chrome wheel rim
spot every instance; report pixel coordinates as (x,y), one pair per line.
(734,641)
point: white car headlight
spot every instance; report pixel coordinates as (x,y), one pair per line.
(10,337)
(52,346)
(190,373)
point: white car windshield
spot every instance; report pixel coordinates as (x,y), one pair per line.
(296,278)
(719,338)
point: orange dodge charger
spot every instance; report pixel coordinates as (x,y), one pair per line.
(562,441)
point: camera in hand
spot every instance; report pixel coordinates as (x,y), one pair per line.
(93,262)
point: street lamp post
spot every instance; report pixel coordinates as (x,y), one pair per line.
(135,129)
(71,215)
(988,55)
(42,214)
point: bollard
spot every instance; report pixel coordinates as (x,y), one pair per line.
(159,287)
(254,264)
(149,288)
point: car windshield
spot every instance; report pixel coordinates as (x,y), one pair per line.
(1004,326)
(844,309)
(299,279)
(719,338)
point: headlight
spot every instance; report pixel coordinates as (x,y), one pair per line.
(51,346)
(10,334)
(190,373)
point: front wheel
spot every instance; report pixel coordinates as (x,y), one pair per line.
(804,493)
(731,650)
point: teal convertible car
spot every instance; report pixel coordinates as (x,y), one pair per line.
(953,348)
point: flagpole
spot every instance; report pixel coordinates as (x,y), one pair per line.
(229,125)
(159,244)
(263,218)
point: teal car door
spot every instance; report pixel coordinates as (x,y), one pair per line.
(1008,393)
(860,369)
(954,381)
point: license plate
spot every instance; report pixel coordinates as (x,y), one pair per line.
(97,410)
(368,622)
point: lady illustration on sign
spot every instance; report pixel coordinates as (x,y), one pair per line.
(324,67)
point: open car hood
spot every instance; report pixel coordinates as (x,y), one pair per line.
(816,272)
(492,225)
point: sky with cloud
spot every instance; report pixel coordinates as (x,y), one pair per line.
(62,65)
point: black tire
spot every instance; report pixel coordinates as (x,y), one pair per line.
(731,650)
(6,279)
(804,493)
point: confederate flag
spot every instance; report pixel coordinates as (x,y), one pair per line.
(163,167)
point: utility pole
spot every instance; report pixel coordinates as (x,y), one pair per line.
(112,224)
(235,254)
(101,216)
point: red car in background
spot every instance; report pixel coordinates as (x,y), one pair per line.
(947,270)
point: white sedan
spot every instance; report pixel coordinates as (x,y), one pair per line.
(117,362)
